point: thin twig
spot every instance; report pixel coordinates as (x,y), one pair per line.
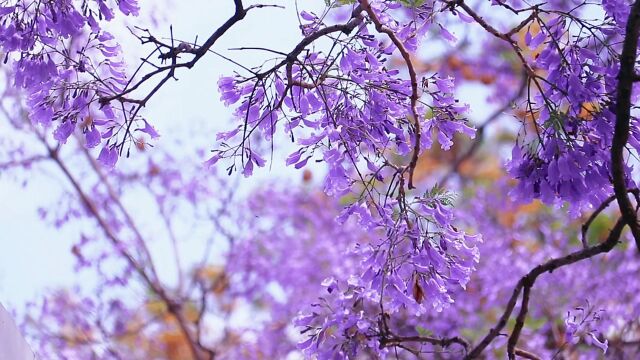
(596,212)
(443,342)
(526,354)
(366,6)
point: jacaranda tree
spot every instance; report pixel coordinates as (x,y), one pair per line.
(432,234)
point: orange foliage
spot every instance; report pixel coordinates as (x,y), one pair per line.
(533,29)
(469,72)
(175,345)
(489,169)
(307,175)
(508,218)
(588,109)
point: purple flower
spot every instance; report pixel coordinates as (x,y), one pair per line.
(599,344)
(64,130)
(149,130)
(92,138)
(108,157)
(129,7)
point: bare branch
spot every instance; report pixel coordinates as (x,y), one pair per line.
(594,215)
(529,279)
(517,329)
(623,117)
(527,355)
(443,342)
(22,162)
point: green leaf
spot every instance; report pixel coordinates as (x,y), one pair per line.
(338,3)
(412,3)
(441,194)
(423,331)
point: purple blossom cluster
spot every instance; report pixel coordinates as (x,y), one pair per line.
(373,265)
(352,109)
(345,107)
(341,320)
(71,68)
(564,155)
(356,115)
(412,270)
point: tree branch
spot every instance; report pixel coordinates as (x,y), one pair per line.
(529,279)
(527,355)
(22,162)
(125,213)
(522,315)
(414,84)
(594,215)
(623,117)
(443,342)
(172,54)
(172,307)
